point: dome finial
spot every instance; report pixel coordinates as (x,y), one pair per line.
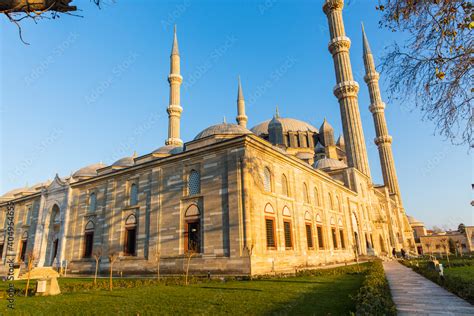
(224,120)
(277,112)
(134,154)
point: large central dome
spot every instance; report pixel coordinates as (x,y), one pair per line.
(288,125)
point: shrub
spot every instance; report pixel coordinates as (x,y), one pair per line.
(374,297)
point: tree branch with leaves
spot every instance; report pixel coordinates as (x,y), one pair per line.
(433,69)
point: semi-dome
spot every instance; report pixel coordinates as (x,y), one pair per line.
(328,164)
(223,129)
(88,171)
(288,125)
(124,162)
(168,150)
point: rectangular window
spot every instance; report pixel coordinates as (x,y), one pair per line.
(270,229)
(130,241)
(341,235)
(88,244)
(1,251)
(24,244)
(287,231)
(309,236)
(334,237)
(320,237)
(193,237)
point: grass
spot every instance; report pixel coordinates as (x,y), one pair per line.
(328,293)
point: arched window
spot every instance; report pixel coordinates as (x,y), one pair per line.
(133,194)
(192,225)
(88,239)
(194,183)
(338,204)
(305,192)
(130,243)
(284,185)
(331,202)
(92,202)
(267,180)
(316,196)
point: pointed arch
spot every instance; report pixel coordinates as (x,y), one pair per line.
(284,185)
(267,180)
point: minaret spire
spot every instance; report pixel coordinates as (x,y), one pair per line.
(346,88)
(241,117)
(174,108)
(383,140)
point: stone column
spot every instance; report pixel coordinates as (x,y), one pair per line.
(377,108)
(346,88)
(174,109)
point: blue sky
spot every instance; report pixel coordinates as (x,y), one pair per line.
(95,89)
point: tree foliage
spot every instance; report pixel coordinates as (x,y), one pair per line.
(433,69)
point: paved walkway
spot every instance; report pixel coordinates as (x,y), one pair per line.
(414,294)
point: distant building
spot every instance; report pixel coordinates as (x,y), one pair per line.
(280,195)
(430,242)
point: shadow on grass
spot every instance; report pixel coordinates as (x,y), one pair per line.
(331,297)
(229,288)
(294,281)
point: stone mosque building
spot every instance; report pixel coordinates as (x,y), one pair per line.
(271,198)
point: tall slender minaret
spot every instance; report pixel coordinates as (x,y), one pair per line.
(174,108)
(346,88)
(377,107)
(241,117)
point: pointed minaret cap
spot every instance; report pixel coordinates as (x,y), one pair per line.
(240,94)
(224,120)
(277,112)
(175,50)
(366,41)
(325,126)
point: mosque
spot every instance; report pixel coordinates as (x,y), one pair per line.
(271,198)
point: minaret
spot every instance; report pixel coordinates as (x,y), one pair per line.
(377,107)
(241,117)
(346,88)
(174,109)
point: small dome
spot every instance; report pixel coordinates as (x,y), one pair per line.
(223,129)
(168,150)
(88,171)
(328,164)
(288,124)
(11,193)
(414,222)
(124,162)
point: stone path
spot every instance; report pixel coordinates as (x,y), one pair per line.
(414,294)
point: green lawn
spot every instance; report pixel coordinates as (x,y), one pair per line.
(466,273)
(308,295)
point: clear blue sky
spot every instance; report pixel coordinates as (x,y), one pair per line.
(95,89)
